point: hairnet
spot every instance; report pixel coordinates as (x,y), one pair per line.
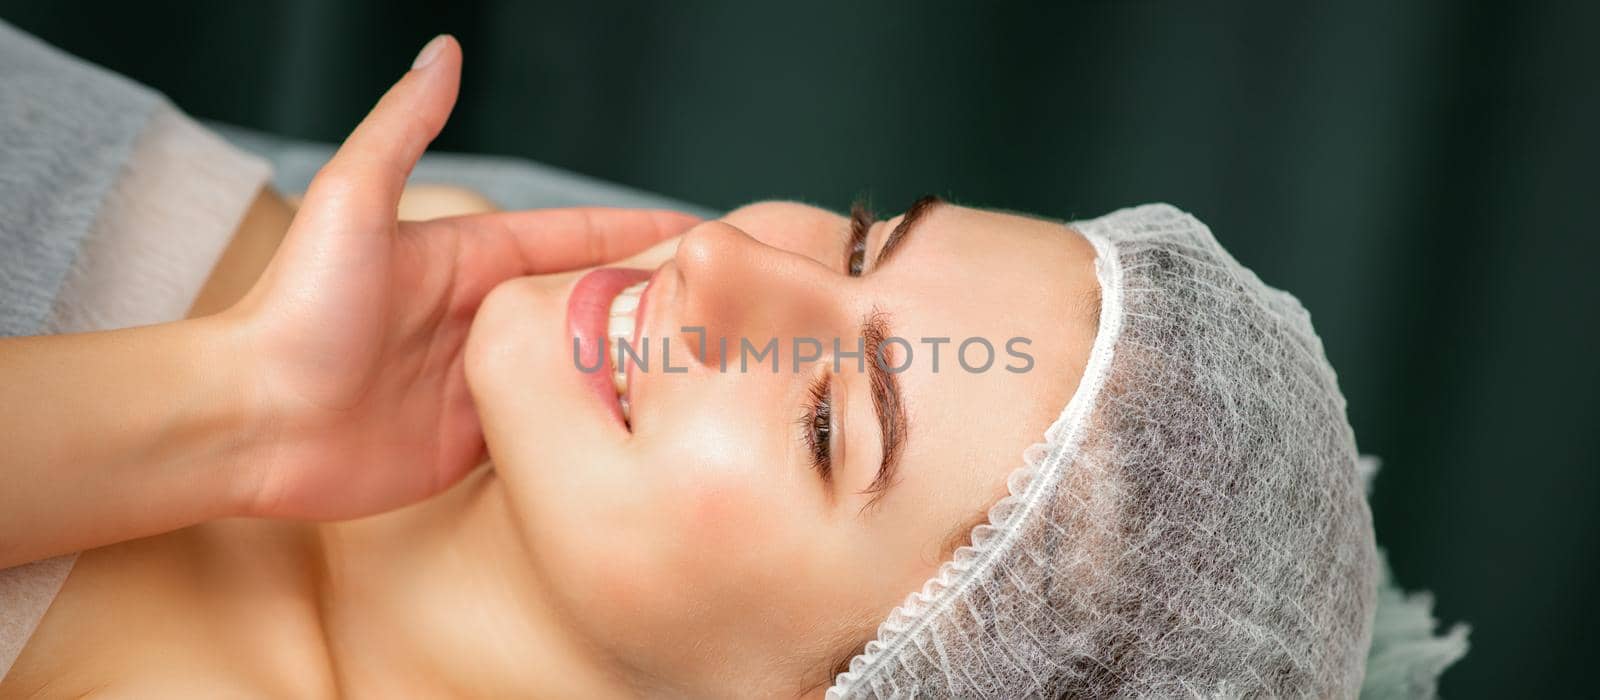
(1193,523)
(1407,654)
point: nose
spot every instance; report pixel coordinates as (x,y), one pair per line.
(739,290)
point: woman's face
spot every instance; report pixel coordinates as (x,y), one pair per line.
(747,528)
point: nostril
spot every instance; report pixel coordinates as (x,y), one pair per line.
(700,345)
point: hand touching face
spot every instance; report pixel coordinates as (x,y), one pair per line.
(354,333)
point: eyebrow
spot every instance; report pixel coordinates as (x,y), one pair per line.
(913,215)
(887,403)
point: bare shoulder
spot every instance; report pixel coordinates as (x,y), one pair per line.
(210,611)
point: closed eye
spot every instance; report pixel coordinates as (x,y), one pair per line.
(816,423)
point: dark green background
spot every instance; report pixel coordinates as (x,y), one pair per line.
(1421,174)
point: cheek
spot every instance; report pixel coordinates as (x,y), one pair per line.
(725,506)
(736,521)
(753,560)
(720,512)
(700,561)
(681,518)
(717,462)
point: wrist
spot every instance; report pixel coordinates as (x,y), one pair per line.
(240,417)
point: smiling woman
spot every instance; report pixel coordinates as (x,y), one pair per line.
(1163,499)
(769,549)
(818,497)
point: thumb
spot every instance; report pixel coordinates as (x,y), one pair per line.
(370,169)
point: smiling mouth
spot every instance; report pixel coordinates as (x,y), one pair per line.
(603,310)
(622,328)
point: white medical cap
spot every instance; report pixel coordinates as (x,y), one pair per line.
(1192,525)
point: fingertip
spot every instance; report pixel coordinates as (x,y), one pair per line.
(380,153)
(442,47)
(438,80)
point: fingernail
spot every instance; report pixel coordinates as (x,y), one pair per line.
(429,53)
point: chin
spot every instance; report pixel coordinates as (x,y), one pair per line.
(528,394)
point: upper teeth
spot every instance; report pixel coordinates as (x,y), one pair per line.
(619,329)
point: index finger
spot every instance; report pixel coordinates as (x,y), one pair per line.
(552,240)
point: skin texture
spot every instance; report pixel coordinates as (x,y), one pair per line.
(699,555)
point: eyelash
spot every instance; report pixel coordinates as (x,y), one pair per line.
(861,219)
(858,257)
(816,423)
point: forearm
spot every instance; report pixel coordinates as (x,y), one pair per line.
(117,435)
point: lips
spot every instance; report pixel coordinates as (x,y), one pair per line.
(588,317)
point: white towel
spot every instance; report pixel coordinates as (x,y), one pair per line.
(150,236)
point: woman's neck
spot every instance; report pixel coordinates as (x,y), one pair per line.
(439,599)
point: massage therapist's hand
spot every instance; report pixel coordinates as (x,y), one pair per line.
(333,389)
(354,333)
